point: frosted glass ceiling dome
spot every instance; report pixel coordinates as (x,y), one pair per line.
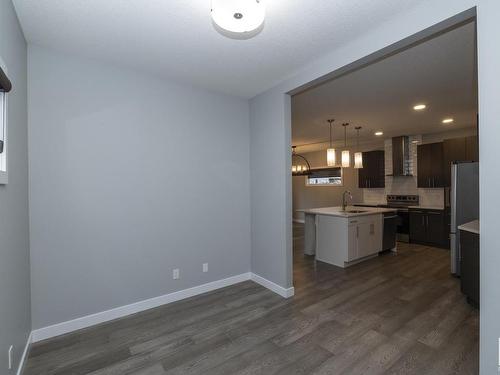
(240,19)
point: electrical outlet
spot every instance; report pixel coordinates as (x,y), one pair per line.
(205,267)
(175,274)
(11,349)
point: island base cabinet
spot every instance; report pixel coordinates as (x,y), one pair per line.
(309,234)
(344,241)
(369,237)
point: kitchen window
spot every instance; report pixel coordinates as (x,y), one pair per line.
(325,177)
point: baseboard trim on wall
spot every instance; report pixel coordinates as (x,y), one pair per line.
(119,312)
(283,292)
(24,356)
(122,311)
(300,221)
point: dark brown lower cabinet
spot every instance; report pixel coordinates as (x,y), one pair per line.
(469,266)
(428,227)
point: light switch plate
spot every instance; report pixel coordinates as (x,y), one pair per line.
(175,274)
(205,267)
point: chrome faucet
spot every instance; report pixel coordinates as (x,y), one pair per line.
(344,203)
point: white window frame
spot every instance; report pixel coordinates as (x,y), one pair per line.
(4,176)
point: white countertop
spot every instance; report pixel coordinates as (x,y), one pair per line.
(428,207)
(472,226)
(337,211)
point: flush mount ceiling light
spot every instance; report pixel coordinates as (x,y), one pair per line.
(238,19)
(419,107)
(378,134)
(448,121)
(331,158)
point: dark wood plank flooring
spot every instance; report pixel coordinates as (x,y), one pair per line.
(400,314)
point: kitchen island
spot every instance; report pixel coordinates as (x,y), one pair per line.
(345,237)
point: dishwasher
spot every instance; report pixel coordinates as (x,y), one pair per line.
(390,231)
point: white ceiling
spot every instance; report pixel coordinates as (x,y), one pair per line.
(439,73)
(176,39)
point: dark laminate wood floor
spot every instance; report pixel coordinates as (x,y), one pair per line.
(399,314)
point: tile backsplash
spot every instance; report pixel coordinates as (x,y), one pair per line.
(403,185)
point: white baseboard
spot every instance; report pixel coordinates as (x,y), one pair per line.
(283,292)
(24,356)
(119,312)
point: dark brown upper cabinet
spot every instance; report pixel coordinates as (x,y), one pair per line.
(457,150)
(472,148)
(372,175)
(430,172)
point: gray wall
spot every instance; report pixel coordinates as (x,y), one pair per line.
(270,163)
(489,182)
(271,250)
(15,319)
(131,177)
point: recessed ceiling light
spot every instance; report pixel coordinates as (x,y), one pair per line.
(378,134)
(419,107)
(448,121)
(239,19)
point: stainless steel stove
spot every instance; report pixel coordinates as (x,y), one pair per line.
(402,201)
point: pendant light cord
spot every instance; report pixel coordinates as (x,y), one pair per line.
(357,137)
(345,125)
(331,122)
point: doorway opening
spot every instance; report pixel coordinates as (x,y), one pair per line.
(385,207)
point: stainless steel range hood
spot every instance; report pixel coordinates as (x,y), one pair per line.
(401,157)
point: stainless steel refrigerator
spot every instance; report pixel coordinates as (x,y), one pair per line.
(464,205)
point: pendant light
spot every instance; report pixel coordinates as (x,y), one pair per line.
(331,159)
(346,155)
(358,156)
(300,165)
